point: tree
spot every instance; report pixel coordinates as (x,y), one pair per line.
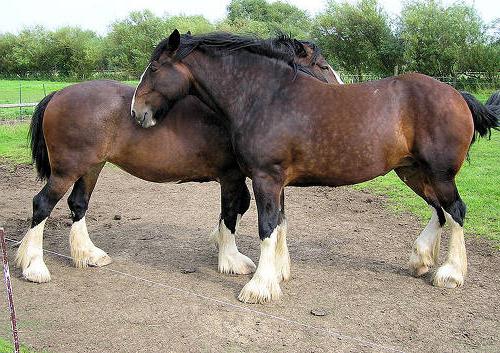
(132,40)
(358,37)
(438,39)
(266,19)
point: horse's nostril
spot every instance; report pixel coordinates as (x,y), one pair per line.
(133,114)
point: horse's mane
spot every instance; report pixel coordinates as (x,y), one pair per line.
(282,47)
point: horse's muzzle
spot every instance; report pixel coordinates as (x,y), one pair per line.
(145,118)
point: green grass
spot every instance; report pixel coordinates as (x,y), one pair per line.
(14,143)
(31,92)
(7,347)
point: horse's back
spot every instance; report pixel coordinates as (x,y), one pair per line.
(90,122)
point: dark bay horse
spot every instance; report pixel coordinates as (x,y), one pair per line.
(288,128)
(75,131)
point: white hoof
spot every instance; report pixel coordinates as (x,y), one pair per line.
(420,263)
(92,256)
(37,271)
(424,255)
(448,276)
(236,263)
(258,291)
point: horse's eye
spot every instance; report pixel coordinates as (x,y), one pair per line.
(323,67)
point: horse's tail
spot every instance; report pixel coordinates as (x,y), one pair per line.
(484,118)
(39,152)
(494,99)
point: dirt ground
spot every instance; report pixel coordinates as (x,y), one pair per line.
(349,258)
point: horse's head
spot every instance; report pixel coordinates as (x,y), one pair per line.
(165,81)
(308,54)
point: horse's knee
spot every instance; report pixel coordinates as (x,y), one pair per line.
(457,210)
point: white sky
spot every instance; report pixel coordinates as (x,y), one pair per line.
(98,14)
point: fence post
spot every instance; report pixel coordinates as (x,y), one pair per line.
(20,100)
(8,286)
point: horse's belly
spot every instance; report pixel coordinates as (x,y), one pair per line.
(168,168)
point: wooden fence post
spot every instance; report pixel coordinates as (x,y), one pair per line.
(8,286)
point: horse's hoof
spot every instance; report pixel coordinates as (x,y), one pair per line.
(101,261)
(236,263)
(419,271)
(37,272)
(448,276)
(259,291)
(93,257)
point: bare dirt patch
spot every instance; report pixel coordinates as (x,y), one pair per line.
(349,257)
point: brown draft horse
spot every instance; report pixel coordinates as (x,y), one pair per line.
(290,129)
(75,131)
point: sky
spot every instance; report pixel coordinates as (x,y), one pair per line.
(97,15)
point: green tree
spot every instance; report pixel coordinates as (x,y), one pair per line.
(438,39)
(358,37)
(266,19)
(132,40)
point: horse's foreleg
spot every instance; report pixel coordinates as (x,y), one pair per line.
(83,250)
(235,200)
(264,285)
(29,255)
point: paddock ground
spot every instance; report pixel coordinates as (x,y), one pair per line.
(349,256)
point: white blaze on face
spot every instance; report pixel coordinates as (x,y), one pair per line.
(337,76)
(135,92)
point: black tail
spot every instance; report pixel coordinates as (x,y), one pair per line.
(484,118)
(494,99)
(37,140)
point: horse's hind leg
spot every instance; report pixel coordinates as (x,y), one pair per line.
(451,274)
(425,250)
(83,251)
(29,255)
(235,200)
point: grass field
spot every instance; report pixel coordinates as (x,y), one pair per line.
(31,92)
(7,347)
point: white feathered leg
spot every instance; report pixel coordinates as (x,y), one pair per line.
(264,285)
(282,255)
(425,251)
(83,251)
(230,259)
(451,274)
(29,255)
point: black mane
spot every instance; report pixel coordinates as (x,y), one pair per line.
(282,47)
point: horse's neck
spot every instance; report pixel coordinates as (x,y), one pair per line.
(233,86)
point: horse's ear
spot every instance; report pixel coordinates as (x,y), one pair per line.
(174,40)
(188,33)
(300,50)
